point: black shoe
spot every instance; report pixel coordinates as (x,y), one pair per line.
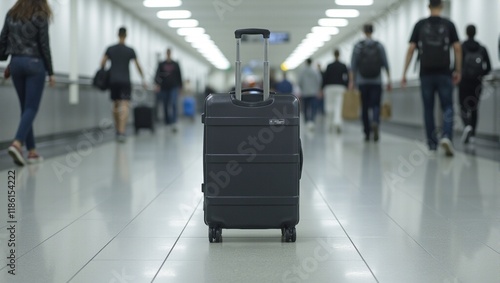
(375,132)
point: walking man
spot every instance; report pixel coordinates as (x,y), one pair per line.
(476,65)
(310,85)
(368,59)
(169,84)
(120,56)
(433,38)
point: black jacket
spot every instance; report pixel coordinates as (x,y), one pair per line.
(336,74)
(168,75)
(471,45)
(30,38)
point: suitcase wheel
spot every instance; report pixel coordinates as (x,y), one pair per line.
(289,234)
(214,235)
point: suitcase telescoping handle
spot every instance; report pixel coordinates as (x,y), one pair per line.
(265,33)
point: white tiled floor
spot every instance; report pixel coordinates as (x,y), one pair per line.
(383,212)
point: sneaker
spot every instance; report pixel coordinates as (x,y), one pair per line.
(447,146)
(339,129)
(174,129)
(17,155)
(34,158)
(467,134)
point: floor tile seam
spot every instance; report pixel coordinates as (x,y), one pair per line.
(446,267)
(176,241)
(342,227)
(131,220)
(288,260)
(128,260)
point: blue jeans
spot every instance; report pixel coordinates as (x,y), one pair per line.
(28,76)
(443,85)
(169,99)
(371,97)
(310,108)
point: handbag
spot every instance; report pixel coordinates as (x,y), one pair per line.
(351,105)
(101,79)
(386,110)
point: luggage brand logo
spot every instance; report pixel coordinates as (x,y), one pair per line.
(276,122)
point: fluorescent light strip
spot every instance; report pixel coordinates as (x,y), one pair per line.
(162,3)
(197,38)
(190,31)
(183,23)
(333,22)
(342,13)
(318,37)
(354,2)
(326,30)
(174,14)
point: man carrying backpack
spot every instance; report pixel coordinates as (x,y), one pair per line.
(368,58)
(476,65)
(433,37)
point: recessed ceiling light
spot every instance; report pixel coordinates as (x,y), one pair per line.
(183,23)
(174,14)
(333,22)
(342,13)
(161,3)
(190,31)
(354,2)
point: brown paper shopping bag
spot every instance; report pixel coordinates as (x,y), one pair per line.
(350,106)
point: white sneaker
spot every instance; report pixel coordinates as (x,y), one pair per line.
(466,134)
(447,146)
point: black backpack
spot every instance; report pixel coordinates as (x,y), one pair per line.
(369,60)
(473,64)
(434,45)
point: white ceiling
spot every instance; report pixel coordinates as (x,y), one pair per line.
(294,16)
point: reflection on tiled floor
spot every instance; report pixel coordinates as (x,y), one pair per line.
(386,212)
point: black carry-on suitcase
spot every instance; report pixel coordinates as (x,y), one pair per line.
(143,118)
(252,157)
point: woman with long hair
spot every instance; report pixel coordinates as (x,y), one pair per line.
(25,37)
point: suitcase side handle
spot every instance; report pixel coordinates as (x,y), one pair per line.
(264,32)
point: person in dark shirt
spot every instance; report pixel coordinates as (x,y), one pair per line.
(368,60)
(31,62)
(335,82)
(284,86)
(168,80)
(471,85)
(435,71)
(120,56)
